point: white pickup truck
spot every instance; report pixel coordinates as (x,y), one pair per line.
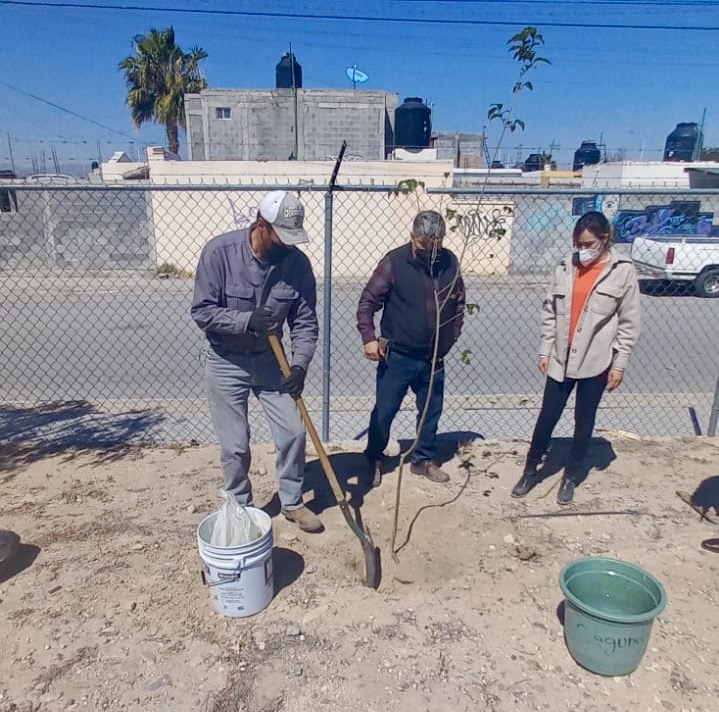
(690,258)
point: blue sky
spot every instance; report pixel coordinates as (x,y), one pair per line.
(629,84)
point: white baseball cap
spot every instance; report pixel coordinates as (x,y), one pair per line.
(286,215)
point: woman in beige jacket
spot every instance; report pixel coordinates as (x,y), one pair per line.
(589,327)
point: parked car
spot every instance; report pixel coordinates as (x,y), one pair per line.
(675,258)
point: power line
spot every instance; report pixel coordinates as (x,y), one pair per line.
(67,111)
(362,18)
(615,3)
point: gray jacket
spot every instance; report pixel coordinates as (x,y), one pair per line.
(608,327)
(231,282)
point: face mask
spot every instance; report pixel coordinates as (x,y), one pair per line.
(276,253)
(588,255)
(426,256)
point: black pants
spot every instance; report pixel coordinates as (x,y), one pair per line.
(556,394)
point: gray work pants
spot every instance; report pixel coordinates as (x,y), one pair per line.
(230,378)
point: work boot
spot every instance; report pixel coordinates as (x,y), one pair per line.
(566,491)
(429,470)
(306,520)
(375,472)
(528,481)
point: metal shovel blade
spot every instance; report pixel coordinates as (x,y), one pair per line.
(373,567)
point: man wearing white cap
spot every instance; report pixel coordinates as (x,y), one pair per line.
(248,283)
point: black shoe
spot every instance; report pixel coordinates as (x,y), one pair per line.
(528,481)
(526,484)
(566,491)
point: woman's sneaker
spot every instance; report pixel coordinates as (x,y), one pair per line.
(528,481)
(565,495)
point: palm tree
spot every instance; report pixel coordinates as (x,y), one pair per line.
(157,77)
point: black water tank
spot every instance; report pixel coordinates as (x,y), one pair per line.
(283,72)
(586,155)
(534,162)
(682,142)
(412,124)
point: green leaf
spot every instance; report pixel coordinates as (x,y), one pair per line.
(407,186)
(464,357)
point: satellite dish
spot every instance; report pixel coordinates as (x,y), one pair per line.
(356,75)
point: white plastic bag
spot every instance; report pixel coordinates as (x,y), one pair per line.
(233,524)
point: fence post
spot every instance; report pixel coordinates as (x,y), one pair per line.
(327,297)
(48,226)
(714,415)
(327,317)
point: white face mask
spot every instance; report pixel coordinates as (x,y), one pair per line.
(588,255)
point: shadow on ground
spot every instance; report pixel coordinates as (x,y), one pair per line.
(287,567)
(706,495)
(30,434)
(600,455)
(15,556)
(352,469)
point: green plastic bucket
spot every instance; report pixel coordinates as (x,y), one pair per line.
(609,609)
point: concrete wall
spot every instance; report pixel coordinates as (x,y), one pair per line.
(261,125)
(366,224)
(465,150)
(106,229)
(507,233)
(164,172)
(365,227)
(543,224)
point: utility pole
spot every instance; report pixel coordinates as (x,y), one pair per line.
(9,148)
(296,150)
(485,148)
(55,162)
(700,139)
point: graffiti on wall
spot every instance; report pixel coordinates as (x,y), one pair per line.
(678,217)
(487,224)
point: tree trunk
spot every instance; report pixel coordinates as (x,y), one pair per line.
(173,144)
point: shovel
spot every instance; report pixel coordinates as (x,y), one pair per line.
(371,552)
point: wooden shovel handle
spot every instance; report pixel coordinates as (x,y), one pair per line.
(314,436)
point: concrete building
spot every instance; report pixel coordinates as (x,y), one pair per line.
(267,124)
(465,150)
(120,168)
(625,175)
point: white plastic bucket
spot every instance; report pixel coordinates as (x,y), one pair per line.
(239,577)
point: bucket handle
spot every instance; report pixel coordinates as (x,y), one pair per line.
(246,563)
(205,582)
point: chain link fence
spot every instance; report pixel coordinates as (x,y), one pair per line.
(98,344)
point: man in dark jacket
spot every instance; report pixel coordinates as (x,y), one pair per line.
(411,284)
(248,283)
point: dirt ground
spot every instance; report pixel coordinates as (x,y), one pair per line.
(103,607)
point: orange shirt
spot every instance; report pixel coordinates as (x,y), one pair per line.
(584,281)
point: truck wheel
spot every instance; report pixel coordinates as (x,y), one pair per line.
(707,283)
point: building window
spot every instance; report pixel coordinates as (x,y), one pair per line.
(222,112)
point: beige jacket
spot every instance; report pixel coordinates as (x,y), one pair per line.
(608,326)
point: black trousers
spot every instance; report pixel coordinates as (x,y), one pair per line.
(556,394)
